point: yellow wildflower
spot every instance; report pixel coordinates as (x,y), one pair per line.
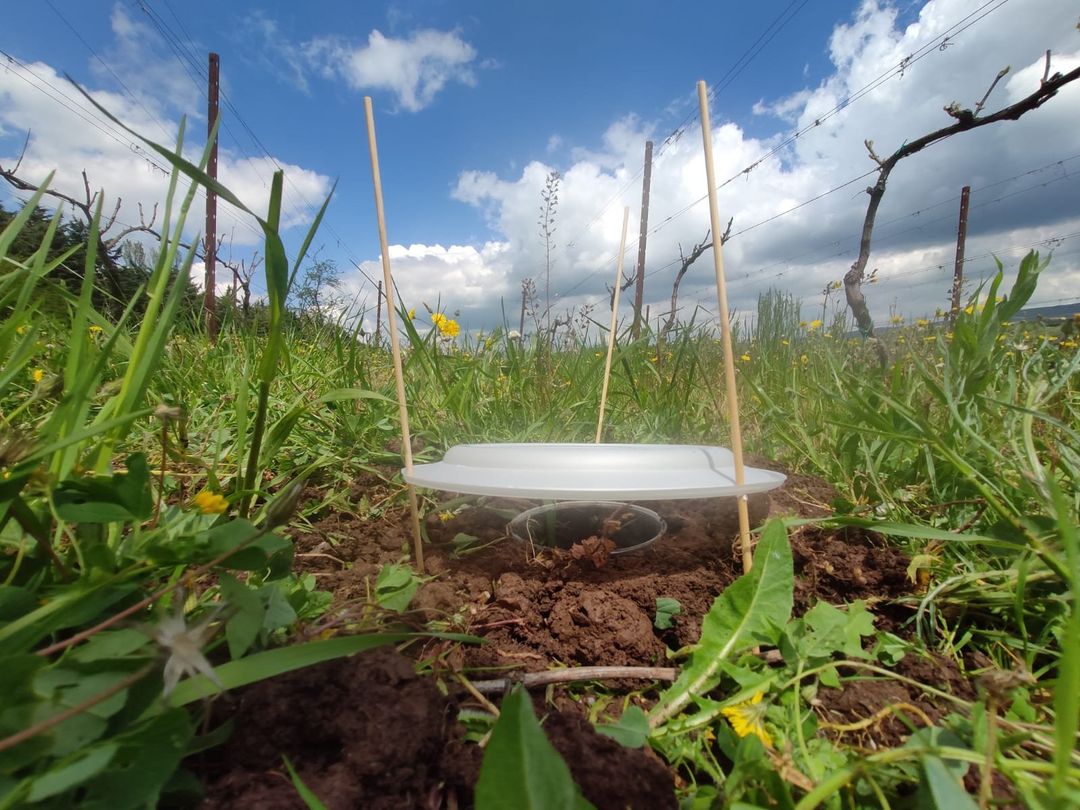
(446,326)
(814,324)
(748,718)
(896,320)
(93,329)
(745,358)
(38,375)
(445,516)
(20,330)
(412,314)
(210,503)
(804,359)
(785,342)
(1068,344)
(969,309)
(922,323)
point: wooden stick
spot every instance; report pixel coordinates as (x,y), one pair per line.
(614,319)
(725,330)
(391,325)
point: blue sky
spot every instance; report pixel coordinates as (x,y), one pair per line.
(477,102)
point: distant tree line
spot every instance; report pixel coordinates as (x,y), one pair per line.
(119,273)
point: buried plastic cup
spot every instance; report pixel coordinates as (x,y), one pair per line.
(561,525)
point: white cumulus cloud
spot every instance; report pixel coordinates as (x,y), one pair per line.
(797,214)
(414,68)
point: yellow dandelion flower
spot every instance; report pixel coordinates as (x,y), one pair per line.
(969,309)
(445,516)
(449,328)
(922,323)
(804,359)
(94,329)
(748,718)
(38,375)
(412,314)
(20,330)
(745,358)
(785,342)
(814,324)
(1068,344)
(896,320)
(210,503)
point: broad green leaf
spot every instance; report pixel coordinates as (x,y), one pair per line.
(149,754)
(631,730)
(945,790)
(395,587)
(255,556)
(108,645)
(76,770)
(279,613)
(751,610)
(14,602)
(521,768)
(666,609)
(267,664)
(244,625)
(124,497)
(833,630)
(66,608)
(309,798)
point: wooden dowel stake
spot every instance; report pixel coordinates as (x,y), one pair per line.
(391,325)
(614,324)
(725,330)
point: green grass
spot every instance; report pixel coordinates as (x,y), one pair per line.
(964,450)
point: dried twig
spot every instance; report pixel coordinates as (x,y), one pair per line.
(571,674)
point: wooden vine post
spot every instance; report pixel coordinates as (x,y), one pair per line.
(614,325)
(725,332)
(391,325)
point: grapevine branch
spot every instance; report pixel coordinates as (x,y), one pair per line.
(965,120)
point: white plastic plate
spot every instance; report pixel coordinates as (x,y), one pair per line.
(584,472)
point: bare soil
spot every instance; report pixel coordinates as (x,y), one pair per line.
(369,732)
